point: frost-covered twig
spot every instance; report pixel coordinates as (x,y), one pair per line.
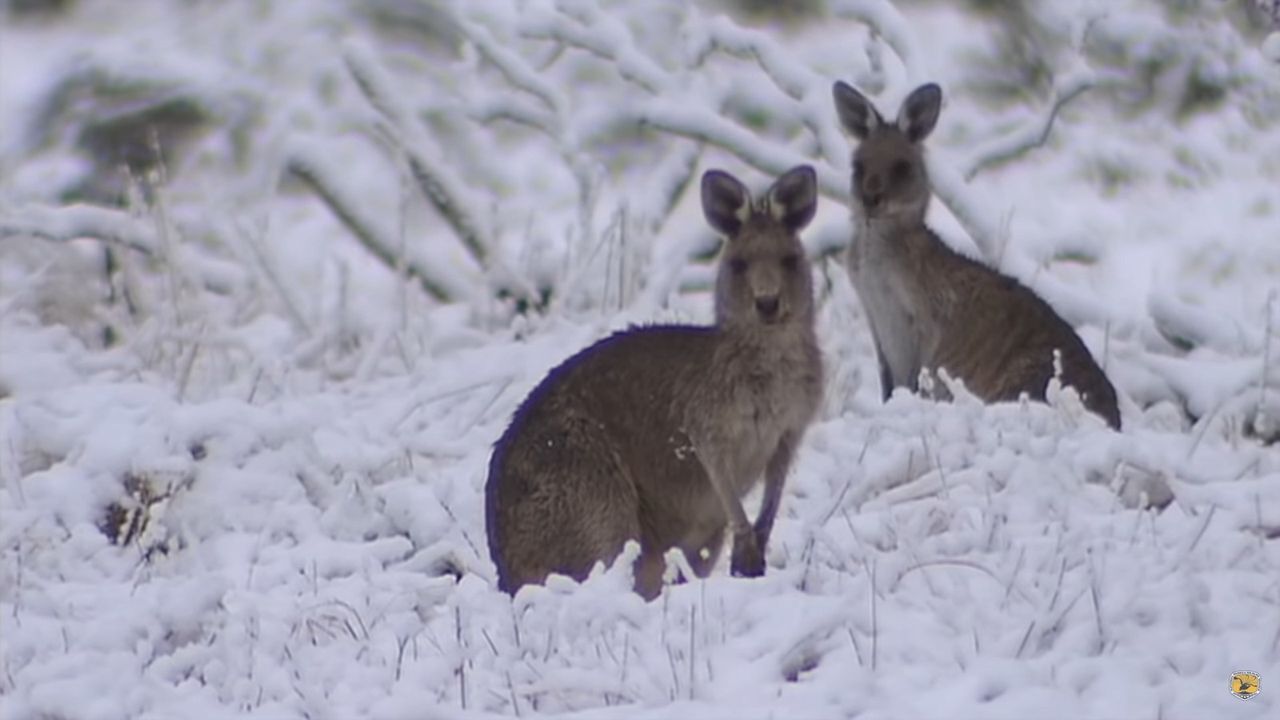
(69,222)
(1034,133)
(1266,344)
(875,619)
(254,244)
(1263,422)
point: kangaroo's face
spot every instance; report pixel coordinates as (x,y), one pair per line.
(764,276)
(890,182)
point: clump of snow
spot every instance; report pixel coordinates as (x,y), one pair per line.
(1271,47)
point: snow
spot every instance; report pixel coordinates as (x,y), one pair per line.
(1271,47)
(265,498)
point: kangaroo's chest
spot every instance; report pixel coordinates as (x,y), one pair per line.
(774,403)
(746,412)
(895,307)
(774,398)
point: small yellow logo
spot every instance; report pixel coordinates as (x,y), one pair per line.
(1245,685)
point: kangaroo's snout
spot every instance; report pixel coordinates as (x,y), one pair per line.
(872,187)
(871,197)
(767,306)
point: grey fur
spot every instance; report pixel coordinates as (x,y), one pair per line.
(930,307)
(656,433)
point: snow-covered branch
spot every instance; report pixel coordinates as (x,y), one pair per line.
(69,222)
(808,91)
(704,126)
(665,106)
(446,192)
(889,24)
(1035,132)
(515,70)
(802,98)
(587,28)
(311,168)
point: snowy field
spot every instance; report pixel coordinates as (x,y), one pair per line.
(246,413)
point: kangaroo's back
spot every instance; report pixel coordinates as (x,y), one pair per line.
(930,307)
(1011,342)
(654,433)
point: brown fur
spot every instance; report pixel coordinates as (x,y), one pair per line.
(929,307)
(655,433)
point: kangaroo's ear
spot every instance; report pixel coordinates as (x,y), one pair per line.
(919,112)
(857,114)
(725,201)
(793,198)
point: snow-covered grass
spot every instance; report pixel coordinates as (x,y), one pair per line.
(264,499)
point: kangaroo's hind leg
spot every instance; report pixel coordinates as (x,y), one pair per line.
(576,505)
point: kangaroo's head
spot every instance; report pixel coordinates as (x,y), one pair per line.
(764,277)
(890,183)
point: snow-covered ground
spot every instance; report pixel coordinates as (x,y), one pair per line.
(264,499)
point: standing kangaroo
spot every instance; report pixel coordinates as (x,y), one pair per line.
(656,433)
(930,307)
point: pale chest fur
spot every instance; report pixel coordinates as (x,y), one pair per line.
(904,323)
(766,392)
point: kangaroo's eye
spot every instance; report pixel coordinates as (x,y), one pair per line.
(738,265)
(901,170)
(791,261)
(858,168)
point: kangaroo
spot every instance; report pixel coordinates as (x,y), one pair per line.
(930,307)
(655,433)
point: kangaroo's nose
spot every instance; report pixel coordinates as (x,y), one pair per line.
(767,306)
(872,191)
